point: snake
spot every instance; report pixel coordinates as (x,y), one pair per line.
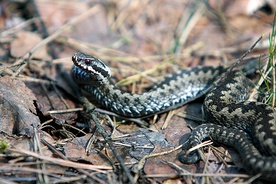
(230,118)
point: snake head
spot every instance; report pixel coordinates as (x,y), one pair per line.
(94,67)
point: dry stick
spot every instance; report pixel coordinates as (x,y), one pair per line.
(223,77)
(195,175)
(61,162)
(37,148)
(90,109)
(143,160)
(52,37)
(18,27)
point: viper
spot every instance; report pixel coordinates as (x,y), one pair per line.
(230,119)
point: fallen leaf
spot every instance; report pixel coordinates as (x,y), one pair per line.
(24,42)
(17,108)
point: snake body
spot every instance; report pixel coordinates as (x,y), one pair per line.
(249,127)
(92,74)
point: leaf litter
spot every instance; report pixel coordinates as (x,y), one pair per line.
(141,41)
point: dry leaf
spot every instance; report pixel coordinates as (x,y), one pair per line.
(17,108)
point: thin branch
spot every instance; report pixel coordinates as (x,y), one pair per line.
(90,109)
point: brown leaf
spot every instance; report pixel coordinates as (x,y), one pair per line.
(17,108)
(75,150)
(24,42)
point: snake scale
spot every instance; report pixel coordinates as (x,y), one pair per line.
(230,119)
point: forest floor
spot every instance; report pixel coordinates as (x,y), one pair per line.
(47,136)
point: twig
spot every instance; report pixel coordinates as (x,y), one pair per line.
(60,161)
(43,178)
(18,27)
(226,175)
(90,109)
(223,77)
(143,160)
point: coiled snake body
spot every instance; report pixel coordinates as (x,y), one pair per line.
(249,127)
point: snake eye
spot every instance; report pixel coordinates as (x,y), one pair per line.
(87,61)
